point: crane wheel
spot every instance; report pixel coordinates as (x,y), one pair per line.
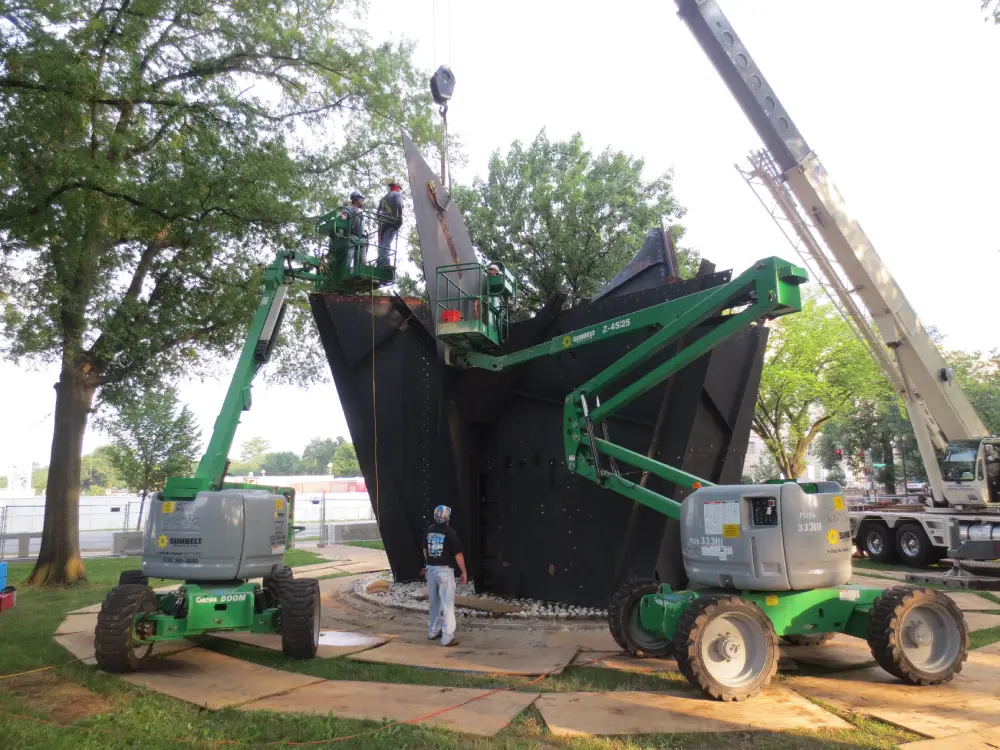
(807,640)
(300,610)
(918,635)
(727,647)
(877,541)
(624,623)
(913,545)
(114,638)
(275,584)
(133,576)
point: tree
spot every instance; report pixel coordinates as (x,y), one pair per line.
(317,454)
(3,482)
(151,439)
(98,472)
(154,152)
(765,469)
(979,376)
(564,219)
(253,449)
(815,369)
(992,8)
(282,463)
(345,461)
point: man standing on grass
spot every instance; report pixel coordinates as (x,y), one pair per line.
(442,552)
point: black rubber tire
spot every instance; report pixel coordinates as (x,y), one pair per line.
(885,633)
(912,536)
(300,612)
(623,621)
(113,647)
(887,551)
(133,576)
(687,646)
(807,640)
(276,582)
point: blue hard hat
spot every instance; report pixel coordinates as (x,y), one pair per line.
(441,514)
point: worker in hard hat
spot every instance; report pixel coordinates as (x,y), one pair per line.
(390,219)
(442,553)
(358,219)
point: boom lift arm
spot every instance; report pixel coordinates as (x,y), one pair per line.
(938,409)
(766,291)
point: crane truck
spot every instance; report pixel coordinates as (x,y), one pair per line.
(791,182)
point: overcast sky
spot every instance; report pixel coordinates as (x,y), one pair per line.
(898,98)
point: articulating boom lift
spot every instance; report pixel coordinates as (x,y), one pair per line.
(216,535)
(769,560)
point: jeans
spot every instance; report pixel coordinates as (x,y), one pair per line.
(441,592)
(385,245)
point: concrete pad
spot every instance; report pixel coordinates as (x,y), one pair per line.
(213,680)
(78,624)
(487,714)
(969,703)
(840,652)
(626,712)
(524,660)
(981,621)
(81,645)
(332,643)
(987,739)
(969,600)
(92,609)
(584,640)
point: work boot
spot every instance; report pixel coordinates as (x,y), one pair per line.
(452,642)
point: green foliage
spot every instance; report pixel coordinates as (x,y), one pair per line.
(767,468)
(153,437)
(317,454)
(345,461)
(281,463)
(99,472)
(978,375)
(837,474)
(992,8)
(252,450)
(566,219)
(815,370)
(39,477)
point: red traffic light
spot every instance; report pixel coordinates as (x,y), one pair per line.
(839,452)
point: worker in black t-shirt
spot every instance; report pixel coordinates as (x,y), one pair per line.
(442,552)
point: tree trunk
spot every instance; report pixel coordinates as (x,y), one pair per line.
(59,560)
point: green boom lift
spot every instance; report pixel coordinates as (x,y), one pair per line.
(767,561)
(216,536)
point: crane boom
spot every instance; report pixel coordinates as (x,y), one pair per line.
(938,409)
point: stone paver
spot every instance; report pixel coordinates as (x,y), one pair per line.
(213,680)
(523,660)
(487,714)
(628,712)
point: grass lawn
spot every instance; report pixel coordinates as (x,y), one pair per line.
(370,545)
(78,707)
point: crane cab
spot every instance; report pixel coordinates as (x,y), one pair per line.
(474,301)
(352,255)
(970,470)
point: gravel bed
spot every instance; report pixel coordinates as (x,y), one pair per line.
(404,596)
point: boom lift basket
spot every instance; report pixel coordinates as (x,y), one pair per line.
(473,306)
(352,256)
